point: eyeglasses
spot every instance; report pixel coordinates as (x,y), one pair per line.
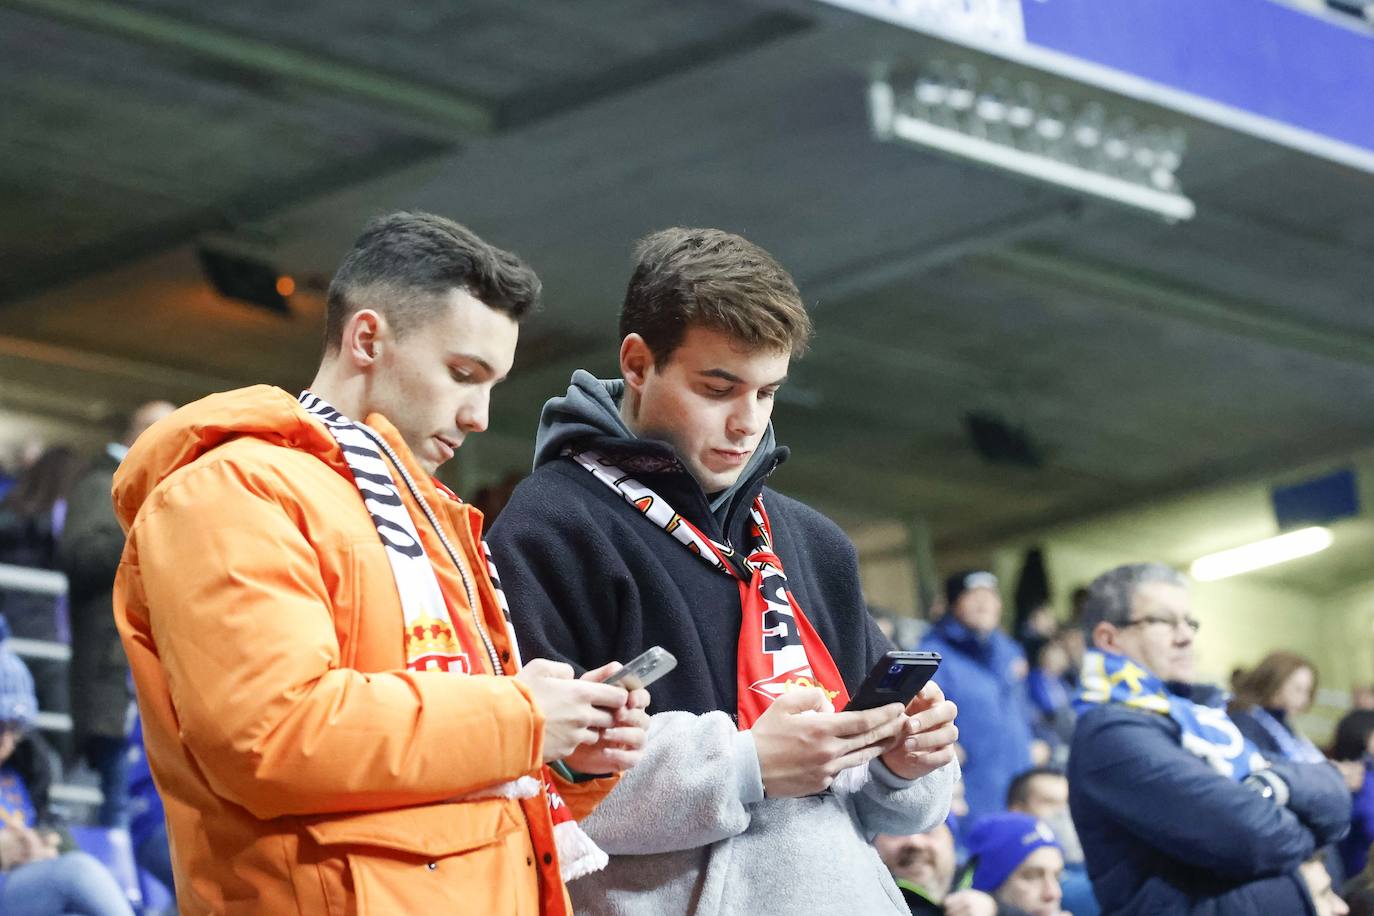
(1173,623)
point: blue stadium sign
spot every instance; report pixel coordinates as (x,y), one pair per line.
(1302,79)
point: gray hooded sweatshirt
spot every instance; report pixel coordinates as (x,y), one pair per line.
(689,830)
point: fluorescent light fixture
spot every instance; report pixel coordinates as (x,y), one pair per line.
(1078,150)
(1301,543)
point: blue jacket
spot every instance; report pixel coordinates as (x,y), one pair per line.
(986,678)
(1165,833)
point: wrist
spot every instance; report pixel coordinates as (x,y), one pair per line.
(886,775)
(747,769)
(1270,785)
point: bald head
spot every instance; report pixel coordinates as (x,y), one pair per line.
(144,417)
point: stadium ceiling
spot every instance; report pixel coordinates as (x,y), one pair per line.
(1108,357)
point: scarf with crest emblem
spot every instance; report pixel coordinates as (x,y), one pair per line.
(1207,731)
(433,640)
(779,650)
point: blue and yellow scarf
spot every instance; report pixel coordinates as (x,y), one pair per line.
(1108,679)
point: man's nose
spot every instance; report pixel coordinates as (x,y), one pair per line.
(474,415)
(746,419)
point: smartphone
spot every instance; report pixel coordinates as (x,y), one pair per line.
(645,669)
(896,678)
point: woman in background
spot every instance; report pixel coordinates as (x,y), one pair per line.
(1268,700)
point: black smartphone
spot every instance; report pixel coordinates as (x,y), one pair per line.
(896,678)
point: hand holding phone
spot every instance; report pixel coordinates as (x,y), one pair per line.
(927,739)
(644,669)
(619,746)
(896,678)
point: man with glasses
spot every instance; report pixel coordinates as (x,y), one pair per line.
(1176,811)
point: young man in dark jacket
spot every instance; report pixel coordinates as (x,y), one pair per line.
(647,522)
(1176,811)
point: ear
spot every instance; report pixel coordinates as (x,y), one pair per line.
(362,337)
(1104,637)
(636,361)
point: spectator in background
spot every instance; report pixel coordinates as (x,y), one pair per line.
(1043,792)
(922,864)
(1038,627)
(31,522)
(1362,697)
(1267,701)
(91,545)
(1353,750)
(1050,694)
(1017,860)
(1358,892)
(36,877)
(1325,900)
(1072,638)
(984,673)
(924,867)
(1172,810)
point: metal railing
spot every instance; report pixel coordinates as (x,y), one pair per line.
(54,584)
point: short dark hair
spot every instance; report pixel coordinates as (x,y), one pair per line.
(1352,735)
(713,279)
(405,262)
(1112,594)
(1018,793)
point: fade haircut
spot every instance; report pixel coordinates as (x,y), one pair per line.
(1111,595)
(404,265)
(712,279)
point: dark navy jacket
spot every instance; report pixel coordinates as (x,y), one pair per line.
(986,678)
(590,579)
(1165,833)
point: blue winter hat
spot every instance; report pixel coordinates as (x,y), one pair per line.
(1000,843)
(18,703)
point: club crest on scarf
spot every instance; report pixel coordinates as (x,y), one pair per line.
(778,649)
(432,646)
(1207,732)
(427,634)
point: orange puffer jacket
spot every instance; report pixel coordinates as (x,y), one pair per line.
(303,769)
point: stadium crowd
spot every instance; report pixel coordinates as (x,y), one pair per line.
(296,658)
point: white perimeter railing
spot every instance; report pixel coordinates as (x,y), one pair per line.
(46,582)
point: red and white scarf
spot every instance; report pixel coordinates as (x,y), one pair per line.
(433,641)
(778,648)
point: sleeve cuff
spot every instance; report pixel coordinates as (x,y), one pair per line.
(748,774)
(885,777)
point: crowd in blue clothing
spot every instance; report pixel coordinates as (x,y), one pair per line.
(1097,777)
(1153,795)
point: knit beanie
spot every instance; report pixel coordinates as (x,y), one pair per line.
(18,703)
(961,582)
(998,844)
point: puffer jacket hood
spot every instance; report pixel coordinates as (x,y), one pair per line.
(262,411)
